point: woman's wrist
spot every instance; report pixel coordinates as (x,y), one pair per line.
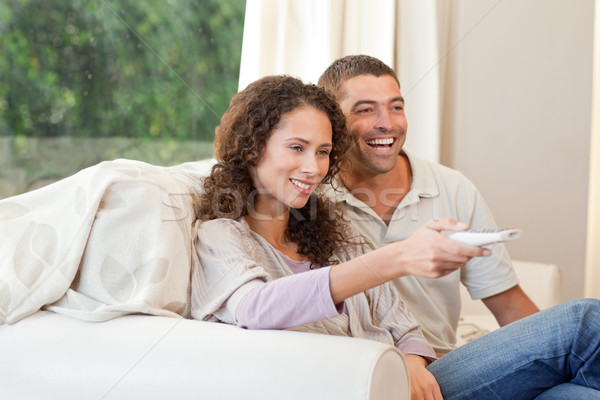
(415,359)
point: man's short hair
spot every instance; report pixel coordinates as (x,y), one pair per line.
(348,67)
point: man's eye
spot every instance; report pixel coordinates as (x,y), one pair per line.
(363,110)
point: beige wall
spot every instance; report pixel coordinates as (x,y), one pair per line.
(519,89)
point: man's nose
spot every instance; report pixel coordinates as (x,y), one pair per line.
(384,122)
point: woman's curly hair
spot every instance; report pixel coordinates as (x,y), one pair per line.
(317,228)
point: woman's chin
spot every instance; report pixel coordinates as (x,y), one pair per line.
(298,202)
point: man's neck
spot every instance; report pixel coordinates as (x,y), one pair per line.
(384,191)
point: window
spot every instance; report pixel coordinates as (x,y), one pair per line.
(87,81)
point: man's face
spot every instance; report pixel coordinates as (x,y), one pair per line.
(374,110)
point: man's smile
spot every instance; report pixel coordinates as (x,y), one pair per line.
(384,143)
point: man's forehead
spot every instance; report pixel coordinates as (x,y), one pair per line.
(370,88)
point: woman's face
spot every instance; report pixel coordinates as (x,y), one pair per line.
(294,161)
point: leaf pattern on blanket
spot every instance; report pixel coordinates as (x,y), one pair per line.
(10,210)
(152,272)
(112,200)
(69,267)
(38,243)
(117,280)
(122,284)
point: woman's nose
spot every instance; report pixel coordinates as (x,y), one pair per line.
(310,165)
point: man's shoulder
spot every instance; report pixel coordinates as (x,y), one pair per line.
(434,167)
(428,171)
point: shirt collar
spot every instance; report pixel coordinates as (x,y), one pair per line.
(424,183)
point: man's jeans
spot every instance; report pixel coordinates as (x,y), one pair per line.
(554,354)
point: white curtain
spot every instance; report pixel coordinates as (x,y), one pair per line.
(592,273)
(302,37)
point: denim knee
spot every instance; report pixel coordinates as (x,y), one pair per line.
(587,308)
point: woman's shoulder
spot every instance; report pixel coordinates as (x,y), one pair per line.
(217,228)
(225,223)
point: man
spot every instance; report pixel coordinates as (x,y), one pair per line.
(389,194)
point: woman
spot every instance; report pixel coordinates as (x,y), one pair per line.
(277,256)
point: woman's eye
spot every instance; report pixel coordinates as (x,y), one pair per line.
(296,148)
(323,152)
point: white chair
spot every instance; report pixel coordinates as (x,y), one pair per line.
(541,282)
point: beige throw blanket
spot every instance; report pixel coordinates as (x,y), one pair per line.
(113,239)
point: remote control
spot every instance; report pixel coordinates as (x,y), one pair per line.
(482,237)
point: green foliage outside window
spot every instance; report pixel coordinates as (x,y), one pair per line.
(82,81)
(145,69)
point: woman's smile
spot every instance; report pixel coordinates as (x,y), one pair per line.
(304,187)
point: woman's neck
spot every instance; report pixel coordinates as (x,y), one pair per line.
(273,231)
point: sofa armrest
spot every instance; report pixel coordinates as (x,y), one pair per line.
(137,356)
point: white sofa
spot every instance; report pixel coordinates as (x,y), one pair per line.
(52,356)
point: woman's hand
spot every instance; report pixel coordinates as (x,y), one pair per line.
(429,254)
(423,385)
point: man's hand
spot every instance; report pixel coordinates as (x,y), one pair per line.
(423,385)
(429,254)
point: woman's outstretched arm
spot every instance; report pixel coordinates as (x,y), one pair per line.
(426,253)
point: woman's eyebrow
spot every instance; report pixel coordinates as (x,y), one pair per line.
(297,139)
(304,141)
